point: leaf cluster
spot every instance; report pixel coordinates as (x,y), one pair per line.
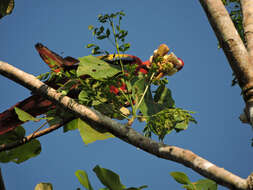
(108,178)
(110,29)
(113,85)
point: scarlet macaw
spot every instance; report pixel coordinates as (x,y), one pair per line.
(37,105)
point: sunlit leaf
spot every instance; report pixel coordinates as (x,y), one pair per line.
(90,45)
(88,134)
(83,179)
(96,68)
(24,116)
(180,177)
(44,186)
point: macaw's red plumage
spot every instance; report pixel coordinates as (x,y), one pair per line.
(37,105)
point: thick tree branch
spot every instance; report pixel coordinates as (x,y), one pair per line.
(247,10)
(234,49)
(126,133)
(230,41)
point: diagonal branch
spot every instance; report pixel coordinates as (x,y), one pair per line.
(230,41)
(234,49)
(32,136)
(247,11)
(126,133)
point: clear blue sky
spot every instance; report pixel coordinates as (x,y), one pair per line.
(203,86)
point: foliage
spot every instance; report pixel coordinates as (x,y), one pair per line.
(117,86)
(111,181)
(108,178)
(203,184)
(115,30)
(6,7)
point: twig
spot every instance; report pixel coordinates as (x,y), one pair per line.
(34,135)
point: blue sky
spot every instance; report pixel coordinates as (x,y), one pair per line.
(202,86)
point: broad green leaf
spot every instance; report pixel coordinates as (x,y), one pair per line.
(70,126)
(96,68)
(21,153)
(24,116)
(17,134)
(44,186)
(163,96)
(150,105)
(83,179)
(147,106)
(180,177)
(90,135)
(6,7)
(108,178)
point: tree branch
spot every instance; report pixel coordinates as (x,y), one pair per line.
(35,135)
(247,11)
(230,41)
(126,133)
(234,49)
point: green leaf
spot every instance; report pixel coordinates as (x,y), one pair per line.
(96,68)
(190,186)
(70,126)
(21,153)
(163,96)
(124,47)
(6,7)
(90,27)
(44,186)
(24,116)
(180,177)
(108,32)
(83,179)
(90,45)
(108,178)
(206,184)
(147,106)
(90,135)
